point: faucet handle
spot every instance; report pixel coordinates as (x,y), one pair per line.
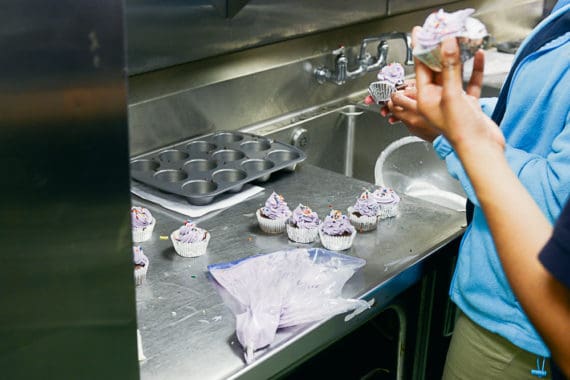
(383,46)
(338,52)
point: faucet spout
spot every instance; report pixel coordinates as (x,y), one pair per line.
(366,62)
(409,52)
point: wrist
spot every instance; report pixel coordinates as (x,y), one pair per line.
(475,147)
(479,133)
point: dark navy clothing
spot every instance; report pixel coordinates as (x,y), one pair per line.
(555,256)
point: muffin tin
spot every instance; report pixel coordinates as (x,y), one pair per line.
(202,168)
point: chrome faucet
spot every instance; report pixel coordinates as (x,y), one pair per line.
(366,62)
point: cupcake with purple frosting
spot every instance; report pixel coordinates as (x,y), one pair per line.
(440,25)
(388,202)
(272,218)
(190,240)
(364,214)
(390,79)
(141,263)
(303,225)
(336,231)
(392,73)
(142,224)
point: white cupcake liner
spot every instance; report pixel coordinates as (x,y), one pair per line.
(271,226)
(381,91)
(141,234)
(189,249)
(140,275)
(388,211)
(139,346)
(302,235)
(362,223)
(336,243)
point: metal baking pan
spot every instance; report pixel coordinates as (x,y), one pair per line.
(204,167)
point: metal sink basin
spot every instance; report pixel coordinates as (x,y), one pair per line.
(350,140)
(356,141)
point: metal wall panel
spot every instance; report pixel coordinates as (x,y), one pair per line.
(66,276)
(169,32)
(239,89)
(401,6)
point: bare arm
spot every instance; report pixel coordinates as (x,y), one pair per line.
(518,226)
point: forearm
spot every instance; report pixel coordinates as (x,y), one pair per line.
(519,230)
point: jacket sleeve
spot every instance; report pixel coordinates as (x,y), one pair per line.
(488,105)
(546,178)
(444,150)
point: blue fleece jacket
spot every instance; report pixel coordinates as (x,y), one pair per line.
(536,126)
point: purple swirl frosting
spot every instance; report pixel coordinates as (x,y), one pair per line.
(140,258)
(275,207)
(304,217)
(337,224)
(190,233)
(385,195)
(440,25)
(393,73)
(141,217)
(366,204)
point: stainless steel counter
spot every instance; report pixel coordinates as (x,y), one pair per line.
(187,331)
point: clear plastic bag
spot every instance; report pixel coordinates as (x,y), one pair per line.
(283,289)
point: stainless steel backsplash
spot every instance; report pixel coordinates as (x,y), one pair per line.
(272,76)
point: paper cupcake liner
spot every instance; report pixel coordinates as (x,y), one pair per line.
(433,59)
(140,275)
(468,47)
(362,223)
(336,243)
(141,234)
(381,91)
(302,235)
(271,226)
(190,249)
(388,211)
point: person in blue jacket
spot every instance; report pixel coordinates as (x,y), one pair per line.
(535,257)
(494,337)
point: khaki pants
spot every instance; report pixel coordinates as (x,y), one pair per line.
(475,353)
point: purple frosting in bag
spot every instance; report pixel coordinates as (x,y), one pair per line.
(366,204)
(304,217)
(393,73)
(275,207)
(337,224)
(139,257)
(190,233)
(141,217)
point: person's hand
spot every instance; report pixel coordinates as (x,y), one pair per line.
(447,107)
(403,107)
